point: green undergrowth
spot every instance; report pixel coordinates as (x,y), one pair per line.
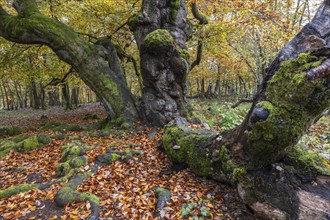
(219,114)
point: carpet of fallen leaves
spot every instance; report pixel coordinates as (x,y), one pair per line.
(125,189)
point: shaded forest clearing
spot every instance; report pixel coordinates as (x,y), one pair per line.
(121,172)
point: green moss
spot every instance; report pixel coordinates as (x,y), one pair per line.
(65,195)
(114,157)
(72,152)
(14,190)
(132,21)
(175,6)
(44,139)
(158,40)
(293,102)
(308,162)
(62,169)
(78,162)
(191,149)
(239,174)
(89,197)
(29,144)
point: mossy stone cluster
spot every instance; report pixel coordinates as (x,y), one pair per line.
(72,158)
(293,102)
(67,193)
(23,144)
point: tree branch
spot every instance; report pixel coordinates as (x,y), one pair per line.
(122,54)
(199,55)
(56,81)
(244,100)
(25,7)
(320,71)
(198,15)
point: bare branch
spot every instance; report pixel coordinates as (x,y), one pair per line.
(199,54)
(56,81)
(244,100)
(198,15)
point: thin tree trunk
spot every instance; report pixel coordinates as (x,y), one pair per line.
(66,96)
(35,96)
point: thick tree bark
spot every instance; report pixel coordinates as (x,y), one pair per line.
(161,30)
(259,157)
(95,64)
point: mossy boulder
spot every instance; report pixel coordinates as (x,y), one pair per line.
(7,145)
(67,193)
(14,190)
(108,158)
(72,151)
(77,162)
(29,144)
(62,169)
(44,139)
(163,196)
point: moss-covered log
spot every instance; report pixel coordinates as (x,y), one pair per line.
(92,61)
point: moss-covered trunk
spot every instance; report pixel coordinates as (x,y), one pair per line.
(259,157)
(161,30)
(96,64)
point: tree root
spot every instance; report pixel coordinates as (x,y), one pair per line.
(163,196)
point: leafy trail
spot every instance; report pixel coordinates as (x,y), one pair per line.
(125,188)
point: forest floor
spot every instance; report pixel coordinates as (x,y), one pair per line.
(126,187)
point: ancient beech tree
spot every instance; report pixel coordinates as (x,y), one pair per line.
(293,95)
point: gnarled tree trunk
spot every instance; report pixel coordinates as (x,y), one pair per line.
(161,30)
(259,157)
